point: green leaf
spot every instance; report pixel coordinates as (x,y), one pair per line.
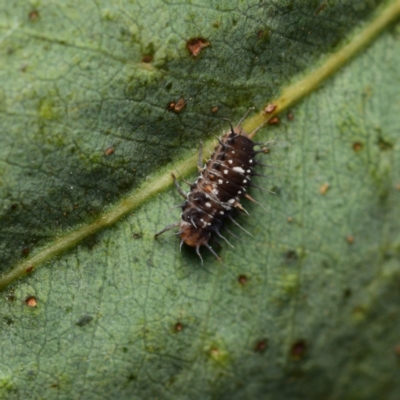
(306,308)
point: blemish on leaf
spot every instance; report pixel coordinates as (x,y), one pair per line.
(31,301)
(195,46)
(263,34)
(217,354)
(269,108)
(324,189)
(25,251)
(242,279)
(397,186)
(291,256)
(261,346)
(137,235)
(397,350)
(132,377)
(147,58)
(11,297)
(84,320)
(178,106)
(109,150)
(178,327)
(34,15)
(384,145)
(289,220)
(298,350)
(214,109)
(347,293)
(29,269)
(90,242)
(274,121)
(350,239)
(357,146)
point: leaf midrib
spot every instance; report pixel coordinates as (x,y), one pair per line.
(162,181)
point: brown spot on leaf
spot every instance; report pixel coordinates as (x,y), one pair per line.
(397,350)
(242,279)
(147,58)
(298,349)
(25,251)
(214,109)
(324,189)
(357,146)
(274,121)
(269,109)
(350,239)
(29,269)
(34,15)
(178,106)
(109,150)
(290,116)
(196,45)
(290,219)
(261,346)
(178,327)
(31,301)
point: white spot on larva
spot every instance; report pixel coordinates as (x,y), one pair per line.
(248,171)
(231,201)
(208,204)
(226,181)
(221,212)
(209,223)
(230,161)
(233,151)
(239,192)
(244,180)
(251,161)
(202,220)
(238,169)
(220,181)
(225,171)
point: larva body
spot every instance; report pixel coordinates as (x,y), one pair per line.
(222,182)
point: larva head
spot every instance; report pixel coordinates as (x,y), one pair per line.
(192,236)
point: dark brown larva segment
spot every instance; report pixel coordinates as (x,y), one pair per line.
(217,192)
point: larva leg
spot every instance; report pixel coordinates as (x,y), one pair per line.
(178,188)
(167,228)
(245,115)
(200,159)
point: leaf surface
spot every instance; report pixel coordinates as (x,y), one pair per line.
(307,307)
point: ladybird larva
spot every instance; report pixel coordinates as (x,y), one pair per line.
(222,182)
